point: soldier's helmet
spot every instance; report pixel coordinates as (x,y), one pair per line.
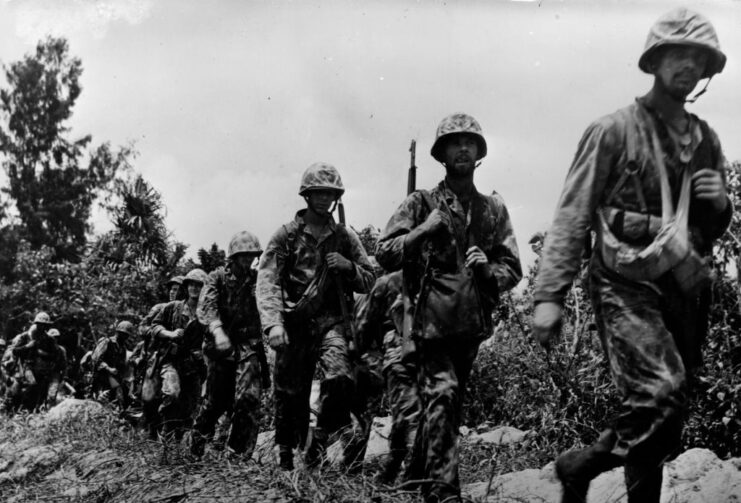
(195,276)
(53,333)
(456,124)
(175,280)
(321,175)
(42,319)
(244,242)
(684,27)
(127,328)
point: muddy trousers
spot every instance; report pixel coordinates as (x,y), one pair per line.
(443,370)
(232,387)
(180,395)
(293,374)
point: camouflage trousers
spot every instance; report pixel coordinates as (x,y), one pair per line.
(443,368)
(233,386)
(172,410)
(404,404)
(650,338)
(295,365)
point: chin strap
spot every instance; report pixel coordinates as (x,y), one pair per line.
(702,91)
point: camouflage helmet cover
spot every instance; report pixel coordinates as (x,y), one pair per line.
(321,175)
(42,318)
(126,327)
(244,242)
(458,123)
(175,280)
(196,276)
(684,27)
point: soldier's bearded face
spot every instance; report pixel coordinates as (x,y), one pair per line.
(679,69)
(461,154)
(321,201)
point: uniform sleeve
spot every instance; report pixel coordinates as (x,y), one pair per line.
(711,224)
(100,350)
(585,181)
(390,249)
(268,290)
(504,260)
(363,278)
(162,319)
(208,303)
(145,326)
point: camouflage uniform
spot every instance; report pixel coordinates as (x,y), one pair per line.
(34,361)
(291,261)
(178,365)
(233,382)
(111,353)
(650,331)
(444,358)
(378,324)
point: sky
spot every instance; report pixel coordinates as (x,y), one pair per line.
(228,102)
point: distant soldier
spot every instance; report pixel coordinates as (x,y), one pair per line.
(649,166)
(109,364)
(305,282)
(34,359)
(60,372)
(175,288)
(234,349)
(458,253)
(176,366)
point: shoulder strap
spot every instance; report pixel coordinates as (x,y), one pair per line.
(632,168)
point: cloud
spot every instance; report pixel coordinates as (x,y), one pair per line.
(35,19)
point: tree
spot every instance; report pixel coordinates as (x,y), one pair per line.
(211,259)
(368,236)
(52,191)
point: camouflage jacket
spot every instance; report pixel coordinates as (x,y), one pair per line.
(600,160)
(229,301)
(40,353)
(174,315)
(145,326)
(486,224)
(373,314)
(110,352)
(292,259)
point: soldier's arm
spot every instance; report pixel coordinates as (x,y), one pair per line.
(391,251)
(208,303)
(362,276)
(505,270)
(709,221)
(269,291)
(162,322)
(99,353)
(145,326)
(561,258)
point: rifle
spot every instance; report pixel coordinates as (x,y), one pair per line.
(412,174)
(346,317)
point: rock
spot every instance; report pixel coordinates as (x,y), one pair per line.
(696,476)
(74,408)
(20,460)
(499,436)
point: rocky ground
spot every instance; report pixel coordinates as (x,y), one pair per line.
(79,451)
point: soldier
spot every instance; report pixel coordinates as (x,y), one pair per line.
(176,366)
(109,364)
(458,252)
(175,288)
(304,294)
(630,168)
(59,373)
(34,359)
(234,350)
(378,322)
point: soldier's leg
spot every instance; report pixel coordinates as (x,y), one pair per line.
(247,412)
(335,388)
(220,375)
(650,376)
(190,397)
(406,408)
(443,372)
(170,409)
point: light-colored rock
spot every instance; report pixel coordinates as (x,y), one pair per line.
(18,461)
(499,436)
(72,408)
(696,476)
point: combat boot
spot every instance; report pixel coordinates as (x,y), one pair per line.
(285,458)
(576,469)
(643,482)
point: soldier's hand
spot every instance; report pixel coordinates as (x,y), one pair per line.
(337,263)
(435,221)
(476,259)
(222,343)
(707,185)
(547,322)
(277,338)
(174,334)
